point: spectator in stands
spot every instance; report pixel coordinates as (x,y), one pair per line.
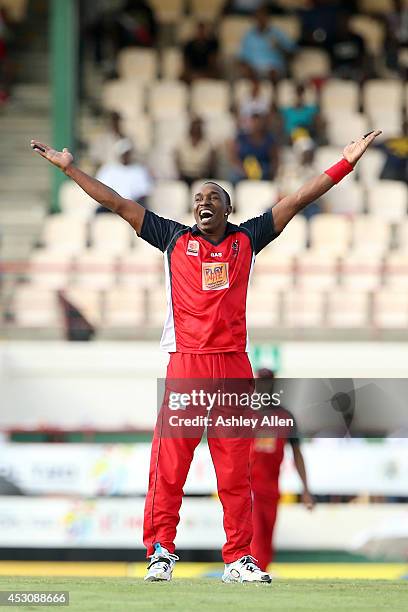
(201,55)
(243,7)
(253,154)
(136,25)
(264,49)
(348,52)
(257,102)
(102,148)
(318,22)
(396,152)
(303,115)
(195,156)
(299,168)
(396,38)
(130,180)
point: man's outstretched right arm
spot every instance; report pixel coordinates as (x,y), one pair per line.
(129,210)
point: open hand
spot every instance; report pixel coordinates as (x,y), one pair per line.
(355,149)
(62,159)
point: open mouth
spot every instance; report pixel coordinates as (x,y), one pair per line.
(206,214)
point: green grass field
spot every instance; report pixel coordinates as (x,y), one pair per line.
(105,594)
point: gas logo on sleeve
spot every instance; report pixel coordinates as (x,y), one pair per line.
(215,275)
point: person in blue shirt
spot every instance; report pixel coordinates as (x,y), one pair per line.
(303,115)
(264,49)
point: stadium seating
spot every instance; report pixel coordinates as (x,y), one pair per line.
(242,87)
(330,234)
(110,233)
(360,271)
(140,268)
(140,130)
(168,12)
(348,198)
(125,96)
(232,30)
(206,9)
(65,233)
(140,64)
(316,270)
(343,128)
(263,309)
(124,308)
(286,92)
(339,95)
(274,270)
(396,270)
(310,63)
(220,128)
(254,197)
(347,309)
(49,268)
(166,194)
(209,97)
(95,269)
(370,166)
(35,307)
(293,239)
(383,95)
(171,63)
(157,307)
(372,31)
(388,199)
(167,99)
(74,201)
(370,235)
(390,309)
(303,309)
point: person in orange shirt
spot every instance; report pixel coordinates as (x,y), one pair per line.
(265,463)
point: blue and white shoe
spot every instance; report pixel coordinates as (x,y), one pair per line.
(161,565)
(245,570)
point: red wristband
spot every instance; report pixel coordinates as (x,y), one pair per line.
(339,170)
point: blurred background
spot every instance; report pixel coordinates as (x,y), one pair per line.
(152,97)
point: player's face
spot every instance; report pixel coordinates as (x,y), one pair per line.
(210,208)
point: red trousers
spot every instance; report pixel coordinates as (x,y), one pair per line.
(171,458)
(264,511)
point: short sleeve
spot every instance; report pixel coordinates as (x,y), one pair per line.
(159,232)
(261,229)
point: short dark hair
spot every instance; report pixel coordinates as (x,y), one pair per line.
(226,194)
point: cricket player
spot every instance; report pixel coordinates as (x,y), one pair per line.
(207,267)
(265,462)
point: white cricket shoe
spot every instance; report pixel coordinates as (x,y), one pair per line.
(161,565)
(245,570)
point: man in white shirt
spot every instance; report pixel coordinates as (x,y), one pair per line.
(130,180)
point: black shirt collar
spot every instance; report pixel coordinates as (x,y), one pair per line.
(230,229)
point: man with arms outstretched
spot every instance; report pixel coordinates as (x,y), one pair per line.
(207,269)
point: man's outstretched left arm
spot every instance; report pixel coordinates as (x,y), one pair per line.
(290,205)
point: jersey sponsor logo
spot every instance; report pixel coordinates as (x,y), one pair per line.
(216,254)
(193,247)
(215,276)
(265,445)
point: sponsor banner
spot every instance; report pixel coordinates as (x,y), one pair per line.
(335,466)
(117,523)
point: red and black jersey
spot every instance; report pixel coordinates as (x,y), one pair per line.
(207,282)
